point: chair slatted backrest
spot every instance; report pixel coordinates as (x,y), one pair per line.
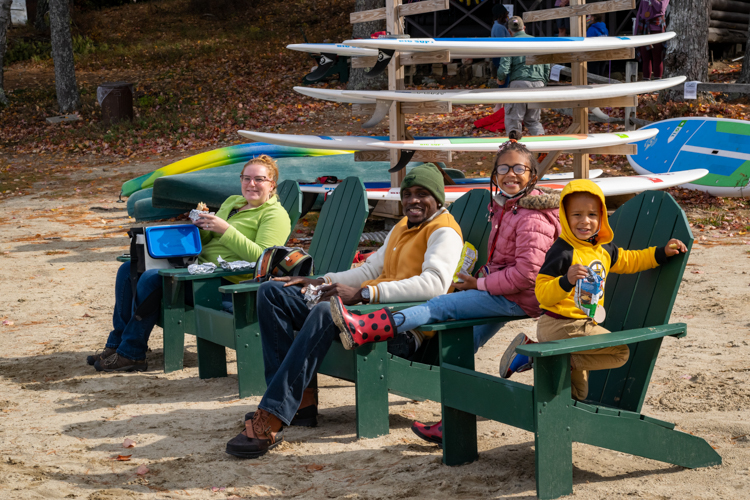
(643,299)
(290,197)
(471,213)
(339,227)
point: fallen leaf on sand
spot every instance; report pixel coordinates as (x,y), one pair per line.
(8,322)
(128,443)
(313,467)
(141,470)
(87,315)
(219,488)
(122,458)
(697,271)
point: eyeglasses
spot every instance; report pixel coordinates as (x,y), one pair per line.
(517,169)
(254,180)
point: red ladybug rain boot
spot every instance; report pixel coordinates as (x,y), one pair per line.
(358,329)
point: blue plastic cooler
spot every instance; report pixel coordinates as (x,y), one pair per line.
(180,240)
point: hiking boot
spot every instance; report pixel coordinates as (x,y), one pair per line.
(513,362)
(432,433)
(118,363)
(263,432)
(358,329)
(104,353)
(307,414)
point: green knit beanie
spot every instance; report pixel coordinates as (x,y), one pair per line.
(429,177)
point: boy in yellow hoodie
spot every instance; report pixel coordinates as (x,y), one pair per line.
(570,284)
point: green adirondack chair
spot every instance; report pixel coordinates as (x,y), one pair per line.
(333,246)
(182,290)
(639,307)
(375,372)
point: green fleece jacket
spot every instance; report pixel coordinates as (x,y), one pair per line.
(517,69)
(250,232)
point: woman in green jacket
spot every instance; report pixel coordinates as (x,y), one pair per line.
(242,228)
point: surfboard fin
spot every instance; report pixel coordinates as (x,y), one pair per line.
(381,109)
(325,61)
(384,58)
(406,156)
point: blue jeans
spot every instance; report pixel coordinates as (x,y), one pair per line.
(291,361)
(130,336)
(469,304)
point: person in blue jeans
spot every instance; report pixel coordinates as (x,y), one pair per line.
(525,223)
(241,229)
(416,262)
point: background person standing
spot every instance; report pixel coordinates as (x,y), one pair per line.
(522,76)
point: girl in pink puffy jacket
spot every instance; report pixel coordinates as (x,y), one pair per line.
(525,223)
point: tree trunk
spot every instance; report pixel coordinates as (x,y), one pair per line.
(40,19)
(4,24)
(62,55)
(357,78)
(687,53)
(745,75)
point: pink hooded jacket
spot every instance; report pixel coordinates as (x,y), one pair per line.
(528,229)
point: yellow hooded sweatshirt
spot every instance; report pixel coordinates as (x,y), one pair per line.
(553,290)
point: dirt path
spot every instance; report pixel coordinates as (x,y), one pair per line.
(62,423)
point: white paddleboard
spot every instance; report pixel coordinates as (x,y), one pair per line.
(340,49)
(503,47)
(611,186)
(533,143)
(332,95)
(493,96)
(368,143)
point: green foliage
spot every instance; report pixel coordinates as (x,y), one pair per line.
(28,49)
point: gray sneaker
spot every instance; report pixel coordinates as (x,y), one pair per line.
(104,353)
(117,363)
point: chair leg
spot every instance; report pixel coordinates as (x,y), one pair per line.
(174,324)
(459,427)
(553,439)
(371,388)
(250,368)
(212,359)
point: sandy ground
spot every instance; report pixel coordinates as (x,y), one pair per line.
(62,423)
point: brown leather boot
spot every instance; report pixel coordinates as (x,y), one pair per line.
(263,432)
(307,414)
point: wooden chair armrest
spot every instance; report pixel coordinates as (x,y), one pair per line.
(368,308)
(625,337)
(184,275)
(452,325)
(123,258)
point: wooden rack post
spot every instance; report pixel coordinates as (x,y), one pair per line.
(392,13)
(577,11)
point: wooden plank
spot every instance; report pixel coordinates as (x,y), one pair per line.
(423,7)
(396,126)
(613,102)
(578,10)
(411,58)
(364,61)
(643,438)
(407,108)
(569,57)
(365,16)
(425,156)
(579,72)
(552,156)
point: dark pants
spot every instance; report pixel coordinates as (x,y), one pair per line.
(291,362)
(652,60)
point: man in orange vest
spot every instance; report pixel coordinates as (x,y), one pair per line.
(416,262)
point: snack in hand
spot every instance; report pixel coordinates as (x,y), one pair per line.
(466,264)
(674,245)
(202,207)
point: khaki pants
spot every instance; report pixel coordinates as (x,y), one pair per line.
(549,329)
